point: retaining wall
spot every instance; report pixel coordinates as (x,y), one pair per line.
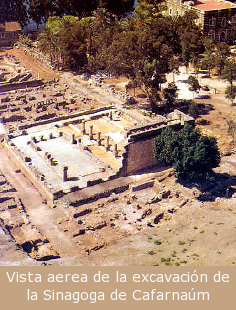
(139,153)
(65,117)
(30,176)
(20,85)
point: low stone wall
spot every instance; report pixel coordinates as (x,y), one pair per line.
(142,185)
(100,195)
(30,176)
(65,117)
(95,182)
(20,85)
(151,133)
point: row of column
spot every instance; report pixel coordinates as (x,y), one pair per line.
(99,140)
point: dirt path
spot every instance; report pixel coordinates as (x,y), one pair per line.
(92,92)
(44,218)
(215,121)
(218,110)
(37,68)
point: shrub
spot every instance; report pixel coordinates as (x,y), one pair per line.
(157,242)
(193,110)
(191,154)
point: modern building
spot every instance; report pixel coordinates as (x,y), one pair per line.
(217,17)
(9,33)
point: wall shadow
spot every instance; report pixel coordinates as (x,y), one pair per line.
(223,186)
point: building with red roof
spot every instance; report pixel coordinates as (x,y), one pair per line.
(9,33)
(217,17)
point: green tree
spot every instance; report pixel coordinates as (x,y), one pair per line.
(174,67)
(230,93)
(190,46)
(192,155)
(13,10)
(221,56)
(190,37)
(229,72)
(64,39)
(232,129)
(194,84)
(118,7)
(140,53)
(170,94)
(47,43)
(193,109)
(196,62)
(208,60)
(167,147)
(41,10)
(72,42)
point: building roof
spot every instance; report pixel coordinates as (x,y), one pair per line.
(12,26)
(213,5)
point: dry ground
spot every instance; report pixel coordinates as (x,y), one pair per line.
(36,67)
(197,233)
(218,110)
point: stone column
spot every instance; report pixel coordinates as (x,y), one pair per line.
(99,138)
(107,146)
(115,152)
(73,139)
(91,132)
(83,127)
(110,115)
(65,174)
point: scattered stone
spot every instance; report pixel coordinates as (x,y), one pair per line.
(146,213)
(165,194)
(154,199)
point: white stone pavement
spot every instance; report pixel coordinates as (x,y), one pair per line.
(183,87)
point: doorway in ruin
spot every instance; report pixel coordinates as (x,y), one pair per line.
(223,36)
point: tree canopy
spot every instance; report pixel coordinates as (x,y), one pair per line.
(13,10)
(192,155)
(139,46)
(41,10)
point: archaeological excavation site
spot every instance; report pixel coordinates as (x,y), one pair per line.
(78,172)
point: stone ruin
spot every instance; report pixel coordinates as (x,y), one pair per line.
(15,222)
(63,155)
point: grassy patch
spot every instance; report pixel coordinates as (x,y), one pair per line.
(157,242)
(167,261)
(174,254)
(151,252)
